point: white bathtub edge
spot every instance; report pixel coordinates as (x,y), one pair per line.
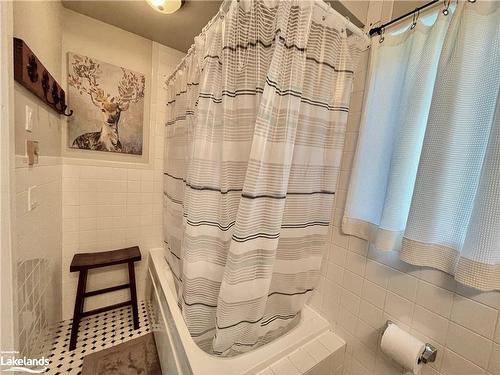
(312,325)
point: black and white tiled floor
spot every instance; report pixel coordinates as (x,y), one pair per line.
(96,333)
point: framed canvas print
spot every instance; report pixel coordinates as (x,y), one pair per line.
(108,103)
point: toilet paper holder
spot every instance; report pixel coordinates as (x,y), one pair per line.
(428,355)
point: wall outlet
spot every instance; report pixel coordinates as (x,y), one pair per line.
(28,119)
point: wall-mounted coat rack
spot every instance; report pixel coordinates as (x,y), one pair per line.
(29,72)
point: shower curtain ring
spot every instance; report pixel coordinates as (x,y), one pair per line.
(382,31)
(415,19)
(446,7)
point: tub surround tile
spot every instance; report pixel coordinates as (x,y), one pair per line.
(430,324)
(302,360)
(486,298)
(377,273)
(352,282)
(335,273)
(469,345)
(348,321)
(494,364)
(356,263)
(368,335)
(386,366)
(474,316)
(371,315)
(453,364)
(399,307)
(284,367)
(437,364)
(434,298)
(359,369)
(338,255)
(497,331)
(358,245)
(332,342)
(321,356)
(322,368)
(350,301)
(373,293)
(317,350)
(403,285)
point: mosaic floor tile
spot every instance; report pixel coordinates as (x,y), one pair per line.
(96,333)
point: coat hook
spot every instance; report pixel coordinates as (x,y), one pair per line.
(45,82)
(31,74)
(55,94)
(67,114)
(63,105)
(32,68)
(46,87)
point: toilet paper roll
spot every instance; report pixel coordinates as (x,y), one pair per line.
(404,348)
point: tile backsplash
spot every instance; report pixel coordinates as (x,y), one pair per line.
(361,288)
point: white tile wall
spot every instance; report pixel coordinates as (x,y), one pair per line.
(360,288)
(321,356)
(107,208)
(38,251)
(113,205)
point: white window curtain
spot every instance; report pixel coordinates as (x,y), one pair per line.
(426,177)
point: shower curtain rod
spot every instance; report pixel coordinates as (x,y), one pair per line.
(223,9)
(378,30)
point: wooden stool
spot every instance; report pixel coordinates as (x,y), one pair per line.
(86,261)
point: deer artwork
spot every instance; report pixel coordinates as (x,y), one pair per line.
(85,78)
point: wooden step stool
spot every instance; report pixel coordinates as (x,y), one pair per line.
(83,262)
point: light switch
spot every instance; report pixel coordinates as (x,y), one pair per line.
(29,119)
(32,202)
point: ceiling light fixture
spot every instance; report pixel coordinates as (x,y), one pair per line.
(166,6)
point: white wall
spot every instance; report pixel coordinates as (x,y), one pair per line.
(113,201)
(87,36)
(37,238)
(361,288)
(7,186)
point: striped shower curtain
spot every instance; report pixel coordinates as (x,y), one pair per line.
(255,128)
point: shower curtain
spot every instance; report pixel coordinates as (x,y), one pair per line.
(256,118)
(426,175)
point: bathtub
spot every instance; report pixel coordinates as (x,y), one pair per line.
(179,354)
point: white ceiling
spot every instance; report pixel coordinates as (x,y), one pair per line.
(177,30)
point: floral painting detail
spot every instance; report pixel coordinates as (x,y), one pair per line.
(108,103)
